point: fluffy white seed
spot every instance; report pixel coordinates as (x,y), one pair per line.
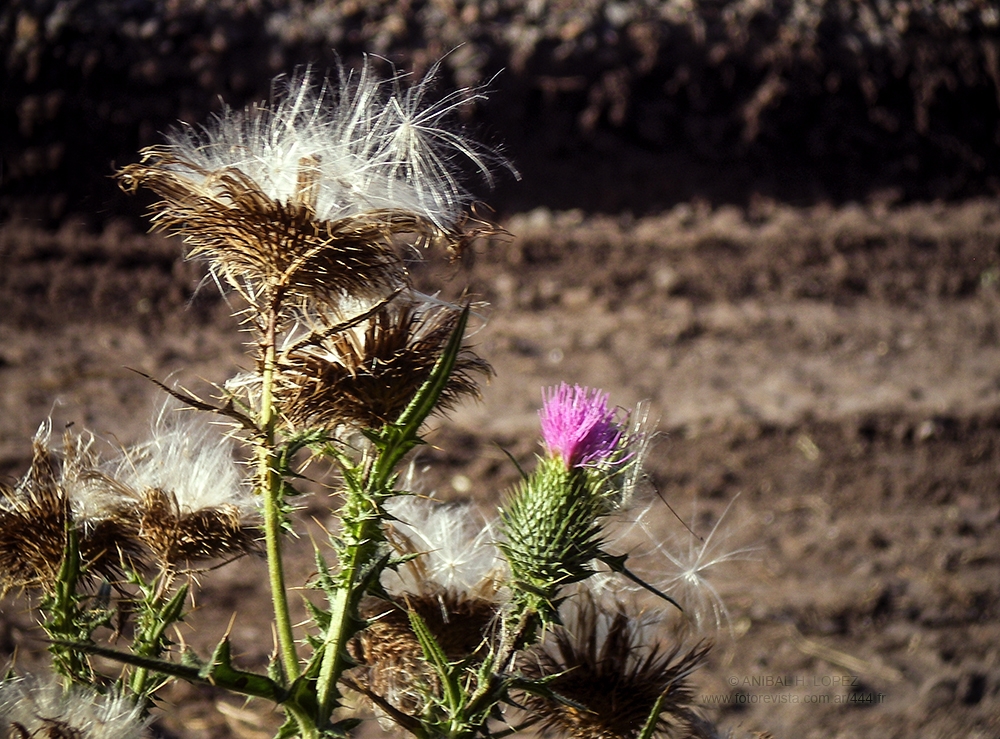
(365,144)
(189,457)
(44,708)
(457,546)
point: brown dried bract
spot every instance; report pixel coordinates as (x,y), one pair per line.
(390,659)
(270,251)
(366,376)
(612,685)
(33,525)
(175,536)
(37,514)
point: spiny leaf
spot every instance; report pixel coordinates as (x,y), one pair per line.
(219,671)
(438,660)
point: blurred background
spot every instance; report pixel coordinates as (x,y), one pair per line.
(776,220)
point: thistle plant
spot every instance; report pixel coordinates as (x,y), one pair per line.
(307,209)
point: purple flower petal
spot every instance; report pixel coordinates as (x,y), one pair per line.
(578,426)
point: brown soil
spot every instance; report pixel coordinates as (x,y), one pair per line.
(836,368)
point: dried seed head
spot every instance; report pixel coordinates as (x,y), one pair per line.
(451,584)
(36,709)
(33,525)
(303,198)
(55,496)
(456,547)
(611,673)
(367,375)
(194,503)
(390,660)
(175,535)
(188,456)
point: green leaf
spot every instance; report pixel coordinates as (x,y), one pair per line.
(173,610)
(438,660)
(649,728)
(398,438)
(425,401)
(219,671)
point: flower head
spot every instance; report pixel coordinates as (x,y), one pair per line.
(58,493)
(366,375)
(578,426)
(193,501)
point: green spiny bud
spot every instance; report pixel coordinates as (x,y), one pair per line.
(551,533)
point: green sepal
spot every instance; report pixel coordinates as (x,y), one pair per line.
(649,728)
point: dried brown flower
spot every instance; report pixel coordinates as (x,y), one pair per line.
(611,679)
(367,375)
(301,199)
(269,250)
(37,514)
(33,518)
(176,535)
(390,659)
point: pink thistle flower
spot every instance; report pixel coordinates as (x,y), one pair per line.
(578,426)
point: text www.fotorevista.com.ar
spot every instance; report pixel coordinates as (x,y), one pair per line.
(859,698)
(855,694)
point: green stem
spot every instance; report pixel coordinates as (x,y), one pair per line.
(362,533)
(331,665)
(307,727)
(368,485)
(64,614)
(271,487)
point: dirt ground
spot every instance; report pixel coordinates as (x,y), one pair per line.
(835,371)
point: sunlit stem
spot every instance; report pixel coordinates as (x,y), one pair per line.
(307,727)
(368,484)
(270,485)
(361,534)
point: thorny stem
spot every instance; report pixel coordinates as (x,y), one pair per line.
(307,728)
(361,536)
(368,484)
(271,487)
(64,613)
